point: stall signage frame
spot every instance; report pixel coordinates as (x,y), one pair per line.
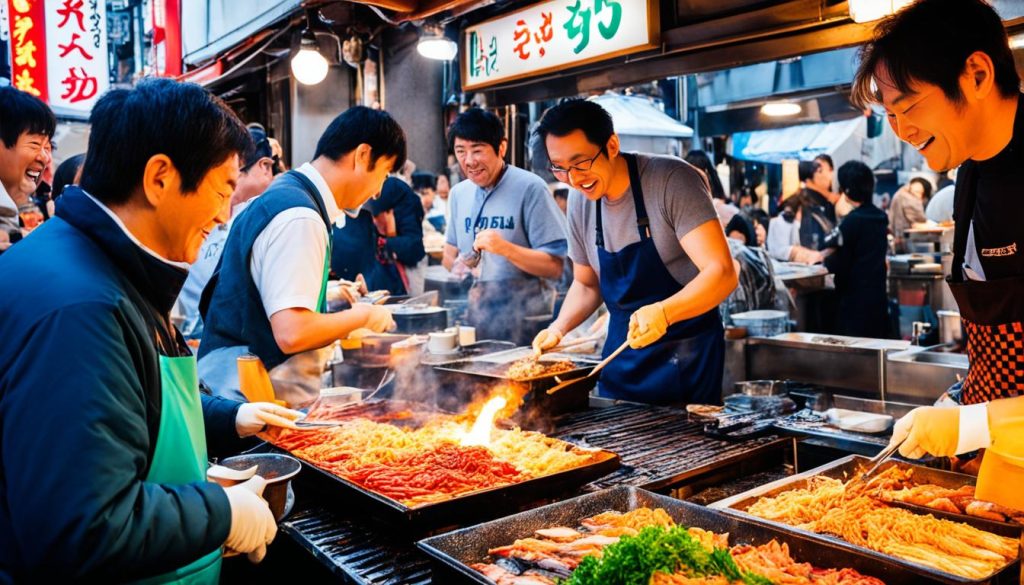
(76,38)
(28,46)
(555,35)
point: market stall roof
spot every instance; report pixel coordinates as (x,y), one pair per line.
(803,142)
(637,116)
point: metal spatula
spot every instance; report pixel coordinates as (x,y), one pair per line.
(562,384)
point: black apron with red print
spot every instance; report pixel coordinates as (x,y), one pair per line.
(992,312)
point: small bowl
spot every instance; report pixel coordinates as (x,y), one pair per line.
(277,470)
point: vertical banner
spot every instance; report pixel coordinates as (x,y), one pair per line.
(76,44)
(28,46)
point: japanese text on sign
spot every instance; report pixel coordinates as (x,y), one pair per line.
(555,34)
(77,46)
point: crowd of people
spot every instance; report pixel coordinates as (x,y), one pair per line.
(94,375)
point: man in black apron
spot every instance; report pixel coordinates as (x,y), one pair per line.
(644,239)
(944,73)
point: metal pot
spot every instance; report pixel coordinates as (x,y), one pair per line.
(762,323)
(950,327)
(412,319)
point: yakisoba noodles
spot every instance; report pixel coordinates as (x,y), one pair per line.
(846,510)
(428,464)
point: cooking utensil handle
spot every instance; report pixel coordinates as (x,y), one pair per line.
(605,361)
(879,459)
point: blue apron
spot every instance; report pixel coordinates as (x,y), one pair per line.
(686,365)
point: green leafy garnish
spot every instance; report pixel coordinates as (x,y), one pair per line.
(634,559)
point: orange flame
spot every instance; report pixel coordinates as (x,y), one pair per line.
(480,434)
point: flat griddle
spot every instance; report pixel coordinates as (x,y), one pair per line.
(495,365)
(846,468)
(454,552)
(469,507)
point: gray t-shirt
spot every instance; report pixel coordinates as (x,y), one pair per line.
(678,200)
(519,207)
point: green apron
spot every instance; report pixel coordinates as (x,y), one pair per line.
(180,455)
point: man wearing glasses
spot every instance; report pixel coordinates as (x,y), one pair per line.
(504,217)
(644,239)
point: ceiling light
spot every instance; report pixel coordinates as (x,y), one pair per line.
(779,109)
(1017,41)
(868,10)
(434,45)
(308,65)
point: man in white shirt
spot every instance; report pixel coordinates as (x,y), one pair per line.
(268,295)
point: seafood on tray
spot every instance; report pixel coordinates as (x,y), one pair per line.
(899,486)
(646,546)
(852,511)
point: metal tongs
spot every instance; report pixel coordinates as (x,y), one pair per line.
(879,459)
(562,384)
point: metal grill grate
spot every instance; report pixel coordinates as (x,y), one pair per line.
(659,448)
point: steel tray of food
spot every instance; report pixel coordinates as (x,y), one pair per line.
(550,543)
(833,504)
(419,469)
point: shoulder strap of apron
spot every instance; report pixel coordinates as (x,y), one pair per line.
(643,223)
(964,196)
(314,194)
(207,295)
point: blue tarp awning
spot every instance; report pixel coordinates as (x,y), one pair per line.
(637,116)
(803,142)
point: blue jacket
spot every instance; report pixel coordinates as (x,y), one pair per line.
(80,401)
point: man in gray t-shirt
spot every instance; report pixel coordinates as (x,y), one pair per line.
(505,219)
(645,239)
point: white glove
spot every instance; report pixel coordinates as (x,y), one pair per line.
(252,524)
(254,417)
(377,318)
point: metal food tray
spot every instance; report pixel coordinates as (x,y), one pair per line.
(454,552)
(846,468)
(494,365)
(459,510)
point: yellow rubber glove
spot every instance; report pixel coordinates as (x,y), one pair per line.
(647,325)
(546,339)
(1002,470)
(928,430)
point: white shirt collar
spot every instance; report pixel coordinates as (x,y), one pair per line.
(333,211)
(6,200)
(131,236)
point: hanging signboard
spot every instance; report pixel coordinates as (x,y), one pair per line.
(28,46)
(76,45)
(557,34)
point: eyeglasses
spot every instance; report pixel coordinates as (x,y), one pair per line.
(582,167)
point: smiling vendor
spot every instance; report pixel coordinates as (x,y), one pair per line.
(268,294)
(945,74)
(103,431)
(644,238)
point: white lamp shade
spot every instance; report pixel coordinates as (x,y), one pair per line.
(438,48)
(778,109)
(309,67)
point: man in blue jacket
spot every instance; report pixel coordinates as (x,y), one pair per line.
(103,432)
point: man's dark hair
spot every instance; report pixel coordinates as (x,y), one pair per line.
(477,125)
(857,181)
(65,174)
(361,125)
(22,112)
(926,185)
(183,121)
(806,169)
(423,180)
(826,159)
(702,161)
(577,114)
(929,41)
(259,148)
